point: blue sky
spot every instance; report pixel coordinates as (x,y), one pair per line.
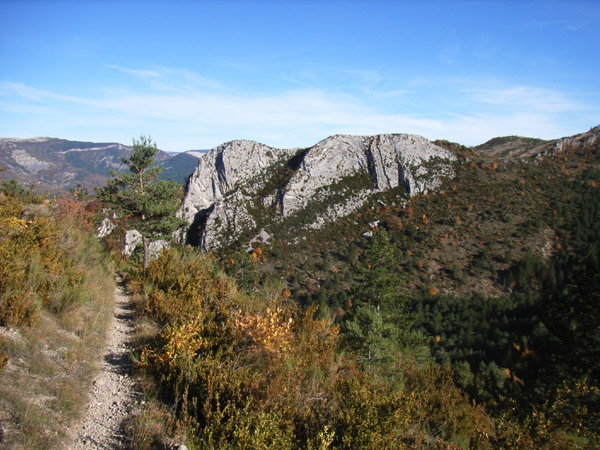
(194,74)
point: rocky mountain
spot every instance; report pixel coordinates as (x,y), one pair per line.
(50,164)
(247,188)
(462,220)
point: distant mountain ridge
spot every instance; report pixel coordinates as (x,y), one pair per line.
(524,147)
(52,164)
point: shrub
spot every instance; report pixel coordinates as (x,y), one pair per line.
(55,285)
(256,371)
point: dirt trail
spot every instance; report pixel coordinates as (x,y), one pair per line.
(113,396)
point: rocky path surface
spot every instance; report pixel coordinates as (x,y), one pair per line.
(113,396)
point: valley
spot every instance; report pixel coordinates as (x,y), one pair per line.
(366,292)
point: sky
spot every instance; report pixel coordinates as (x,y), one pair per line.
(195,74)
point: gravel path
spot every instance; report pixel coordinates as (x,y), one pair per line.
(113,396)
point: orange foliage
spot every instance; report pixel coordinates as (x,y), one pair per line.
(395,223)
(73,211)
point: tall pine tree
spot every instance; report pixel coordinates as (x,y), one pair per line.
(148,205)
(373,325)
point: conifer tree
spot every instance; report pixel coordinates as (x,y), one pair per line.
(372,326)
(148,205)
(377,275)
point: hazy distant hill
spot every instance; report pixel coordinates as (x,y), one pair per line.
(179,166)
(51,164)
(508,145)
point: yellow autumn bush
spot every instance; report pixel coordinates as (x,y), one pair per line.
(56,286)
(182,285)
(45,259)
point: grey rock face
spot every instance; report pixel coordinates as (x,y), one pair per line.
(235,179)
(227,214)
(223,169)
(106,227)
(133,239)
(29,162)
(390,160)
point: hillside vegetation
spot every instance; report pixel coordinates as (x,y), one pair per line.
(461,318)
(56,290)
(465,318)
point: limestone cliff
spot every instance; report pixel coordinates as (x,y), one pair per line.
(244,186)
(223,169)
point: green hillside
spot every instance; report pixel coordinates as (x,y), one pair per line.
(463,318)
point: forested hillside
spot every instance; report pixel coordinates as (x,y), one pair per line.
(462,318)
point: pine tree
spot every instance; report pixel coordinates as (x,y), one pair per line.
(147,204)
(373,325)
(377,276)
(368,335)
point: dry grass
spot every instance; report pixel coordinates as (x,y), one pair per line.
(49,370)
(46,364)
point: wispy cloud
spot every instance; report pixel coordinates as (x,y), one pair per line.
(20,90)
(529,98)
(485,51)
(8,88)
(137,73)
(450,52)
(186,110)
(372,83)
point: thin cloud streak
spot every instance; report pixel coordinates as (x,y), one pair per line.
(183,113)
(528,97)
(138,73)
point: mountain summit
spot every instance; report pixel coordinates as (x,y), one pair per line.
(243,187)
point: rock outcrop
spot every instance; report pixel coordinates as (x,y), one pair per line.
(389,159)
(243,185)
(223,169)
